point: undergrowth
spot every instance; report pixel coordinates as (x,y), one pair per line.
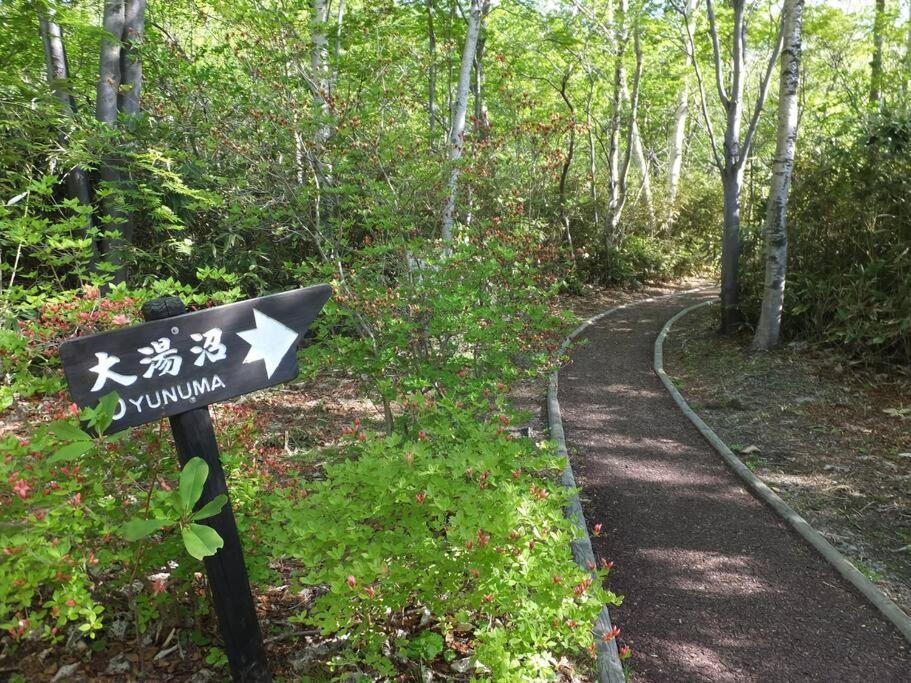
(437,542)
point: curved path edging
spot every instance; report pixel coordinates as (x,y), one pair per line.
(608,665)
(760,489)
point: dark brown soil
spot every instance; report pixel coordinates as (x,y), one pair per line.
(716,587)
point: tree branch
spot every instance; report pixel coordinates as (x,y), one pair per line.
(763,94)
(699,79)
(716,52)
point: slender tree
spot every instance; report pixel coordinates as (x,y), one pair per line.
(432,114)
(619,199)
(643,165)
(678,134)
(130,62)
(876,63)
(58,76)
(119,84)
(775,226)
(319,72)
(617,177)
(567,163)
(731,159)
(906,81)
(616,31)
(460,110)
(592,156)
(481,115)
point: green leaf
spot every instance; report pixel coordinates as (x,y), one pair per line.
(200,540)
(192,479)
(68,431)
(103,414)
(210,509)
(70,451)
(140,528)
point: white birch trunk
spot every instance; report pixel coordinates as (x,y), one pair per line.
(615,234)
(319,70)
(775,227)
(618,18)
(678,136)
(460,110)
(642,163)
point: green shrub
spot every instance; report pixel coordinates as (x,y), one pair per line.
(461,326)
(849,257)
(462,525)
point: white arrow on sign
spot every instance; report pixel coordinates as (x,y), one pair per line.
(269,341)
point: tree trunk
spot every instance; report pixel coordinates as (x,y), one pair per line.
(613,154)
(110,79)
(775,227)
(678,137)
(319,70)
(431,76)
(58,75)
(460,109)
(616,235)
(876,64)
(732,182)
(109,72)
(339,19)
(642,163)
(731,160)
(592,168)
(567,164)
(481,117)
(130,62)
(906,81)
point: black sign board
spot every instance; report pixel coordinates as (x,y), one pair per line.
(169,366)
(174,366)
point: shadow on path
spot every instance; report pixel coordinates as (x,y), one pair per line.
(716,586)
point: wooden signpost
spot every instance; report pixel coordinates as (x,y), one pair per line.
(174,366)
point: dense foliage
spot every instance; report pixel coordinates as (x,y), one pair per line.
(277,144)
(850,253)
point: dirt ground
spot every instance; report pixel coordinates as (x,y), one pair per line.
(832,439)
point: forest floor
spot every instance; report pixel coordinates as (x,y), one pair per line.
(831,438)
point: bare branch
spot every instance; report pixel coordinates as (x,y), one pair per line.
(763,94)
(634,112)
(702,96)
(716,51)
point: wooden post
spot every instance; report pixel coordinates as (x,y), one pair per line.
(194,436)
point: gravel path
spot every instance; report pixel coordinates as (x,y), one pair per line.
(717,587)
